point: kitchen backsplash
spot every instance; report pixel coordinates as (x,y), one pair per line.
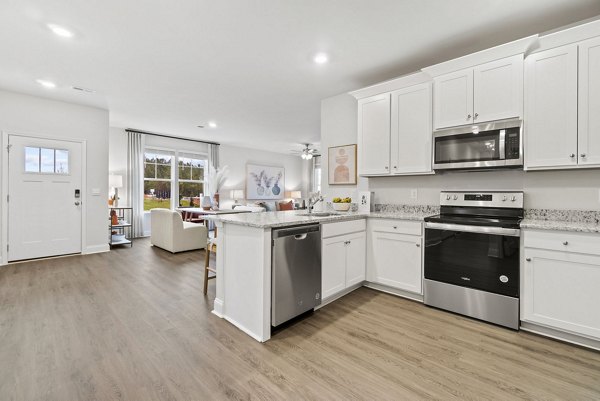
(392,208)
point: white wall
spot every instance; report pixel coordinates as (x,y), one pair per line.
(567,189)
(30,115)
(237,158)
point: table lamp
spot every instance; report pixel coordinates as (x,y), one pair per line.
(237,194)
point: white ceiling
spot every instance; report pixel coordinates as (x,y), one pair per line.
(168,66)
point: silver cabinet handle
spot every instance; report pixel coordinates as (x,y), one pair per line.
(386,167)
(397,166)
(572,155)
(468,117)
(395,227)
(475,116)
(418,245)
(77,203)
(528,259)
(583,155)
(566,243)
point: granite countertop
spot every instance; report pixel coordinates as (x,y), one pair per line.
(557,225)
(587,221)
(292,218)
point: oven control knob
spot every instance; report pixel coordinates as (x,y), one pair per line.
(455,197)
(504,279)
(447,197)
(513,198)
(504,198)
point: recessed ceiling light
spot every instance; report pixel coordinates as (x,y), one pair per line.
(212,124)
(60,31)
(321,58)
(46,84)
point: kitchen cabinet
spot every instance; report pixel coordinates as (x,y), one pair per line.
(411,130)
(589,103)
(374,134)
(343,261)
(562,96)
(395,254)
(394,131)
(560,281)
(487,92)
(551,108)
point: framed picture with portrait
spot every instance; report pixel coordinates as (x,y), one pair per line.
(341,168)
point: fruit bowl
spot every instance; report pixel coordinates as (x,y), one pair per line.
(341,207)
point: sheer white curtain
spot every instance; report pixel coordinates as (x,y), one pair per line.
(213,155)
(135,180)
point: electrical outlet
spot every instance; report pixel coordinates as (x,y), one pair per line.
(414,193)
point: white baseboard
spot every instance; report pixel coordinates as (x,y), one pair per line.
(560,335)
(246,330)
(394,291)
(95,249)
(218,308)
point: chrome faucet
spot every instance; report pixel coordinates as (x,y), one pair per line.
(312,201)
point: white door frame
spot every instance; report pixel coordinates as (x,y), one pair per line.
(4,189)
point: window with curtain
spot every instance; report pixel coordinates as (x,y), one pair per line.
(173,179)
(191,179)
(157,179)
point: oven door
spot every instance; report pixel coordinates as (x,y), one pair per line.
(483,258)
(469,150)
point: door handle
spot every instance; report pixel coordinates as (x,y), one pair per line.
(77,203)
(300,236)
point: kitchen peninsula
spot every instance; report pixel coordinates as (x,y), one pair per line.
(243,283)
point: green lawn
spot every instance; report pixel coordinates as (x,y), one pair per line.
(166,203)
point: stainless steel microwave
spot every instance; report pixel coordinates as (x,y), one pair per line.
(492,145)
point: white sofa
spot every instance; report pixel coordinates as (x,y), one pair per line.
(171,233)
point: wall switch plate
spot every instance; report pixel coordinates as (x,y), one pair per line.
(414,193)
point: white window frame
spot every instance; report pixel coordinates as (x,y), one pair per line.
(174,180)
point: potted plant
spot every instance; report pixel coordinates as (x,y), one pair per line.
(216,180)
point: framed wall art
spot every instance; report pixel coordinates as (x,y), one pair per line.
(264,182)
(341,168)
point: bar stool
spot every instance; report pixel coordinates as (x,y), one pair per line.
(211,246)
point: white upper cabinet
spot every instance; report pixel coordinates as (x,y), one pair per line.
(374,135)
(498,89)
(589,102)
(562,99)
(411,130)
(453,99)
(551,108)
(487,92)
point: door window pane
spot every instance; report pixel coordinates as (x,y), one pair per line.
(61,159)
(32,159)
(47,160)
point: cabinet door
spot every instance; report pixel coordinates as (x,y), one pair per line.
(333,266)
(374,135)
(551,108)
(396,260)
(453,99)
(589,102)
(356,258)
(561,290)
(411,130)
(498,89)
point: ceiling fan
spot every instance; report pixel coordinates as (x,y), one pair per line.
(307,152)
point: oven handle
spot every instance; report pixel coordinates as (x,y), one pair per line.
(510,232)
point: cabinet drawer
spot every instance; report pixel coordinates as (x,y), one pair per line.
(588,243)
(396,226)
(344,227)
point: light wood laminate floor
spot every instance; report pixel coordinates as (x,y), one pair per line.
(133,324)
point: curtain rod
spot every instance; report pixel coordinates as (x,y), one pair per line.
(170,136)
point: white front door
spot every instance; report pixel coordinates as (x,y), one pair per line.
(45,197)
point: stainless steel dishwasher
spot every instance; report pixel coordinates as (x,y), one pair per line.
(296,272)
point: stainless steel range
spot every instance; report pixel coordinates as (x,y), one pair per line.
(472,255)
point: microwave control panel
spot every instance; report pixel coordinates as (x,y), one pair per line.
(513,143)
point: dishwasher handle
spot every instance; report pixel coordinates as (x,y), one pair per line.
(298,232)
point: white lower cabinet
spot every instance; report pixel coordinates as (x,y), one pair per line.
(394,256)
(343,261)
(561,278)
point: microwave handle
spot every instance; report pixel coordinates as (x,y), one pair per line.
(502,144)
